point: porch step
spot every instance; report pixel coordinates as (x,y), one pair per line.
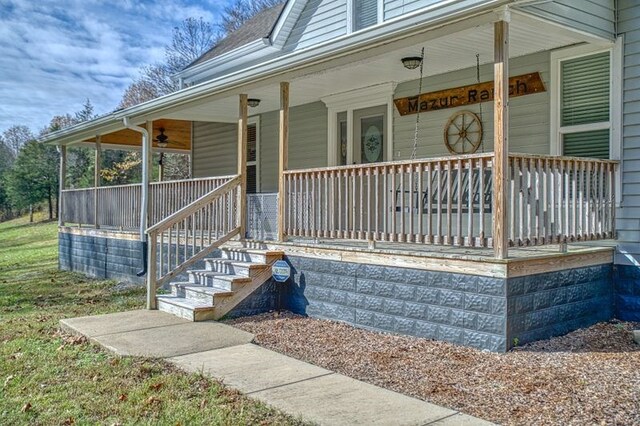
(185,308)
(212,292)
(208,278)
(243,254)
(234,267)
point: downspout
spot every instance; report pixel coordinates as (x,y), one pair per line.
(144,202)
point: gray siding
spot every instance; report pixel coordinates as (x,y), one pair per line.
(628,217)
(394,8)
(215,144)
(592,16)
(307,142)
(214,149)
(529,115)
(320,20)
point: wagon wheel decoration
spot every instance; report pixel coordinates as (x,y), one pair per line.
(463,133)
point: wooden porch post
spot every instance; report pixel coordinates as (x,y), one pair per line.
(242,164)
(501,138)
(151,201)
(283,162)
(62,183)
(96,180)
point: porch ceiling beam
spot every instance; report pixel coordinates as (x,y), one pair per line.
(283,150)
(501,137)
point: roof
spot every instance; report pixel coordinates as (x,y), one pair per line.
(258,27)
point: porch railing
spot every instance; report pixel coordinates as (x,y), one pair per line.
(119,206)
(449,201)
(188,235)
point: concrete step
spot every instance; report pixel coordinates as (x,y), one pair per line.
(208,278)
(234,267)
(243,254)
(187,309)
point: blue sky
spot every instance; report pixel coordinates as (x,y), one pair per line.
(56,54)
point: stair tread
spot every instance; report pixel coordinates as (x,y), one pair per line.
(211,290)
(220,275)
(185,303)
(255,251)
(238,262)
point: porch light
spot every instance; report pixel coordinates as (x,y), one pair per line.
(411,62)
(162,139)
(253,102)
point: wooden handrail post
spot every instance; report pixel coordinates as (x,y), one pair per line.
(242,165)
(62,183)
(283,156)
(152,270)
(501,137)
(96,181)
(150,200)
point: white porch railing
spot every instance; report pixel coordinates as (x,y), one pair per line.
(119,206)
(449,201)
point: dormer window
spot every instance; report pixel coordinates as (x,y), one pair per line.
(364,13)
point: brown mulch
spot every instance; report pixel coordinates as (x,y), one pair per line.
(588,377)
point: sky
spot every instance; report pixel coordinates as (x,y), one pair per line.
(54,55)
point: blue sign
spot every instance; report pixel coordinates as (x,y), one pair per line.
(281,271)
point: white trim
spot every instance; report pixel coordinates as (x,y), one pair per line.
(255,119)
(280,32)
(380,11)
(365,97)
(617,119)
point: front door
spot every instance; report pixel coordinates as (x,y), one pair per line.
(369,144)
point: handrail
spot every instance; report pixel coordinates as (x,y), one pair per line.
(194,206)
(189,234)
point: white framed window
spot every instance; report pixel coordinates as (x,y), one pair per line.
(253,155)
(351,115)
(363,14)
(586,101)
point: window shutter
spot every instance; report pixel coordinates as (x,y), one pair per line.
(585,90)
(365,13)
(252,157)
(251,143)
(593,144)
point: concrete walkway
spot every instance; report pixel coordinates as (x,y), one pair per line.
(315,394)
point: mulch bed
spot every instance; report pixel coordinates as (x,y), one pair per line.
(590,376)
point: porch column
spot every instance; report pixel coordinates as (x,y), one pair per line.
(283,162)
(501,137)
(96,180)
(242,164)
(62,183)
(150,201)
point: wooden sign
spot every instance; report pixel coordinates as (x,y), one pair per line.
(521,85)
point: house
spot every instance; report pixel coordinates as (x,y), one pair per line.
(365,142)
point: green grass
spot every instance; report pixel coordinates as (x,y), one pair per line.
(50,378)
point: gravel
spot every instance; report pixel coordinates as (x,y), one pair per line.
(590,376)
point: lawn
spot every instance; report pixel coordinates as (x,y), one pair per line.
(50,378)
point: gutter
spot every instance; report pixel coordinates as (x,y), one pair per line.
(144,197)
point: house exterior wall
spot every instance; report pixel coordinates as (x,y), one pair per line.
(528,115)
(627,273)
(591,16)
(320,20)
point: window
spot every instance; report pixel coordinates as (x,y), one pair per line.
(584,111)
(585,100)
(363,13)
(252,156)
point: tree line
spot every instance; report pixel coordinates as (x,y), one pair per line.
(29,170)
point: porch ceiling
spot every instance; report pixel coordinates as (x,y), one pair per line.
(178,132)
(444,54)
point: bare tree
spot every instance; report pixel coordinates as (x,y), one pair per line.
(15,137)
(139,91)
(190,40)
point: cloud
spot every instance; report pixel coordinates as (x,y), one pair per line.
(56,54)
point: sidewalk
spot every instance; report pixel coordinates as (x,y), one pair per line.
(315,394)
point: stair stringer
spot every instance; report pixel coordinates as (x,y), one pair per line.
(225,305)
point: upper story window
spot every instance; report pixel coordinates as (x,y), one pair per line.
(364,13)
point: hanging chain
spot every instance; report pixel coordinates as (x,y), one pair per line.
(480,104)
(415,134)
